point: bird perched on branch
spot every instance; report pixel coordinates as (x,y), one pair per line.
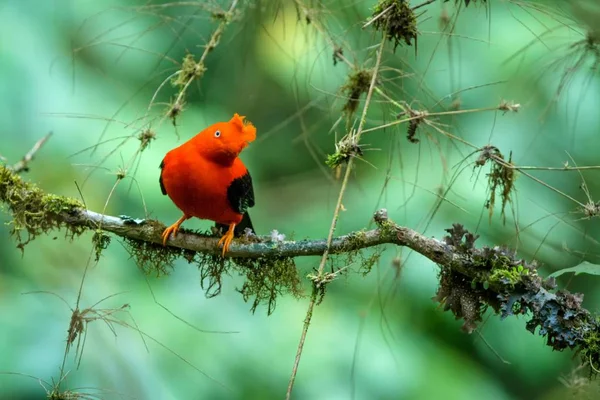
(206,179)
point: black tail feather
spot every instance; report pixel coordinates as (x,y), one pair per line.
(239,228)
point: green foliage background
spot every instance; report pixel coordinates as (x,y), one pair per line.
(69,65)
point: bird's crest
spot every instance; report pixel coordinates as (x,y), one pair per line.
(248,130)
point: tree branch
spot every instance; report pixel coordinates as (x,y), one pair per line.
(150,231)
(471,279)
(23,164)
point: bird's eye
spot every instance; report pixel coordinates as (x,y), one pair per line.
(217,133)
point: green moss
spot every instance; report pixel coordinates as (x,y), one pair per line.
(495,266)
(265,278)
(358,83)
(367,263)
(344,150)
(356,239)
(590,350)
(152,257)
(387,227)
(33,211)
(510,276)
(336,159)
(100,240)
(398,23)
(190,69)
(499,268)
(490,261)
(353,252)
(268,278)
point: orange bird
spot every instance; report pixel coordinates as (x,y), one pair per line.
(205,178)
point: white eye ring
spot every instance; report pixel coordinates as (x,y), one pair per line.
(217,133)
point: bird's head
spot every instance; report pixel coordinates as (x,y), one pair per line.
(223,141)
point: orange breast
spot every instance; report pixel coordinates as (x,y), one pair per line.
(198,187)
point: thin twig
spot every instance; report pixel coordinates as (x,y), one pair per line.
(23,165)
(381,14)
(422,4)
(316,287)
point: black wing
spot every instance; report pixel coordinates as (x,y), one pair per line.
(162,185)
(240,193)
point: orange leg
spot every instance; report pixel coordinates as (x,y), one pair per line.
(226,239)
(172,229)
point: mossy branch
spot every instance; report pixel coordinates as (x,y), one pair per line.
(37,213)
(471,279)
(257,247)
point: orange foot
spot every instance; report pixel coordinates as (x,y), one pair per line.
(172,229)
(226,239)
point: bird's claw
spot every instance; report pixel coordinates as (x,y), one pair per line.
(172,229)
(166,233)
(226,239)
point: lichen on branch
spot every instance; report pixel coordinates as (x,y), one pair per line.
(494,277)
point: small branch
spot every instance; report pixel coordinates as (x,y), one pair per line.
(23,165)
(427,2)
(381,14)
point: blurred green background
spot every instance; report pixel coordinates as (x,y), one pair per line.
(87,71)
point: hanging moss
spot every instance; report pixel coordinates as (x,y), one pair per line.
(152,257)
(501,178)
(358,82)
(355,253)
(267,279)
(397,20)
(100,240)
(212,268)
